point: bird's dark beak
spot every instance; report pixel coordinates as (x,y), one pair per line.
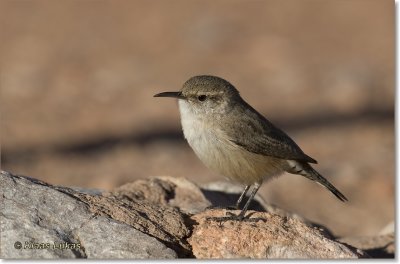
(170,94)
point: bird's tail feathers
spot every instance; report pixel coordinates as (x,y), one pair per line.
(310,173)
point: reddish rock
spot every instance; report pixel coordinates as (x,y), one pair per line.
(263,235)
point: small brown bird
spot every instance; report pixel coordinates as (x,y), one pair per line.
(233,139)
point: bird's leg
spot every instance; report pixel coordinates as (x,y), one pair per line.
(253,193)
(246,189)
(242,213)
(237,205)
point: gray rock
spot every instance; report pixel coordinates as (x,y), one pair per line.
(157,218)
(102,238)
(58,222)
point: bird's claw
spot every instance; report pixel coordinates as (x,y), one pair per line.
(229,217)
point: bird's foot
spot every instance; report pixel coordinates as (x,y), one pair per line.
(238,217)
(212,207)
(222,207)
(229,217)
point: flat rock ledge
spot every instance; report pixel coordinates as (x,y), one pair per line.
(157,218)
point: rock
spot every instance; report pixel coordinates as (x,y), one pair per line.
(224,194)
(81,225)
(160,217)
(102,239)
(380,246)
(165,223)
(264,235)
(165,190)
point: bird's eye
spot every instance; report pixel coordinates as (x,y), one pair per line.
(202,97)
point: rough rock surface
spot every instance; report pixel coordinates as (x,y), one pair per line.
(33,211)
(168,191)
(263,235)
(224,194)
(161,217)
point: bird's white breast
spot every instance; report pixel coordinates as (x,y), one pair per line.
(220,154)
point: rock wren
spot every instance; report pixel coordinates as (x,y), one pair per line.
(233,139)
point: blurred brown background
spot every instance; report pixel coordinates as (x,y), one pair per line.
(77,80)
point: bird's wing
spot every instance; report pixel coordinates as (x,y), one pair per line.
(257,135)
